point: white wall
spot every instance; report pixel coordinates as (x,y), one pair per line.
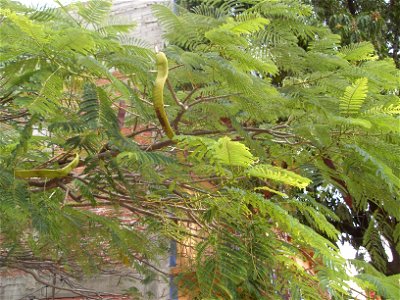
(139,11)
(16,285)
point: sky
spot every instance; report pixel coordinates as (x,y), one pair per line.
(41,3)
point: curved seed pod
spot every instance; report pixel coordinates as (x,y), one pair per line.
(158,96)
(49,173)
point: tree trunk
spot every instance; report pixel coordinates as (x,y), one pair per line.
(393,267)
(351,5)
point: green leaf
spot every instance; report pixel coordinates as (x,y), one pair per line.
(231,153)
(245,27)
(265,188)
(353,121)
(354,97)
(382,169)
(94,11)
(264,171)
(48,99)
(358,52)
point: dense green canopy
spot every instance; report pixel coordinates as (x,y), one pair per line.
(285,144)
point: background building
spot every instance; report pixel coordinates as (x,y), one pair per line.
(139,11)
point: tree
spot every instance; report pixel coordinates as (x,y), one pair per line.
(354,20)
(281,138)
(364,20)
(355,225)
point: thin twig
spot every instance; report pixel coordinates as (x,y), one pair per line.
(175,67)
(174,96)
(38,279)
(190,95)
(205,99)
(133,134)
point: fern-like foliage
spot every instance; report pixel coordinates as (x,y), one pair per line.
(49,95)
(94,12)
(391,109)
(358,52)
(279,174)
(381,168)
(353,97)
(372,279)
(230,153)
(286,145)
(96,110)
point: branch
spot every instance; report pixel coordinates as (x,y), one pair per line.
(12,117)
(205,99)
(80,292)
(185,108)
(190,95)
(133,134)
(346,195)
(270,131)
(175,67)
(352,7)
(178,118)
(47,184)
(157,146)
(171,89)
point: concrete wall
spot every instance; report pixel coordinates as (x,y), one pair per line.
(16,285)
(139,11)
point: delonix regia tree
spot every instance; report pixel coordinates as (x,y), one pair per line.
(355,21)
(283,144)
(364,20)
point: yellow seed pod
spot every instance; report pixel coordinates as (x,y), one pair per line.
(49,173)
(158,94)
